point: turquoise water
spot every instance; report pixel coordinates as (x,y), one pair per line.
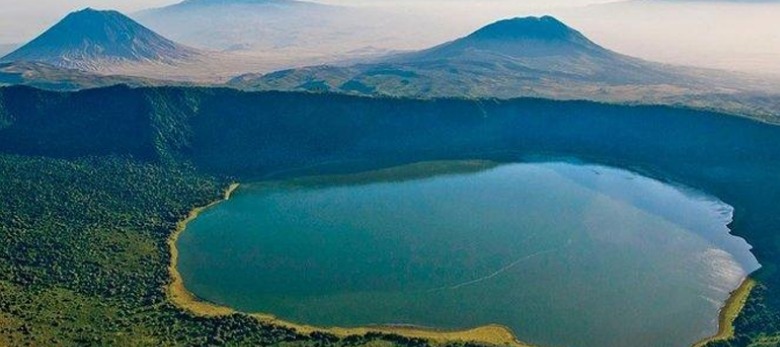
(563,254)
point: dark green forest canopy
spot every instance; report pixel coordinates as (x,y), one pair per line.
(94,182)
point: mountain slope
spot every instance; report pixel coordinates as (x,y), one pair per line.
(540,57)
(518,37)
(286,33)
(6,48)
(238,25)
(94,40)
(540,46)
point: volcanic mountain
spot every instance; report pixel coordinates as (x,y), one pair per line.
(286,33)
(502,59)
(238,25)
(518,37)
(522,57)
(94,40)
(537,48)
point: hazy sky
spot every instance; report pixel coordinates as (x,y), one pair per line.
(736,35)
(21,20)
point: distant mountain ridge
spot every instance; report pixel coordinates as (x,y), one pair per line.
(189,5)
(234,2)
(230,25)
(90,40)
(285,33)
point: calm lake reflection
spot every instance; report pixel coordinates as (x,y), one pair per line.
(563,254)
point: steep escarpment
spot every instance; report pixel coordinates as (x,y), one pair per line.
(95,122)
(234,132)
(5,117)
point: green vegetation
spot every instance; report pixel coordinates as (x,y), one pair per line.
(94,182)
(729,313)
(42,75)
(83,259)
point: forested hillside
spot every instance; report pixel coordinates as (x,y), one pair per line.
(96,180)
(83,259)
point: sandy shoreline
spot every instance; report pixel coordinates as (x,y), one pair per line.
(178,294)
(491,334)
(729,312)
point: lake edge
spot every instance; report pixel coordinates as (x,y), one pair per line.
(180,296)
(491,333)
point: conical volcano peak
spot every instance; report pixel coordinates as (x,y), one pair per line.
(544,28)
(89,38)
(90,15)
(90,22)
(518,38)
(86,10)
(89,11)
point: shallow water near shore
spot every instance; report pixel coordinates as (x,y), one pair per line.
(564,254)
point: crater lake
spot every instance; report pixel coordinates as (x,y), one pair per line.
(561,253)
